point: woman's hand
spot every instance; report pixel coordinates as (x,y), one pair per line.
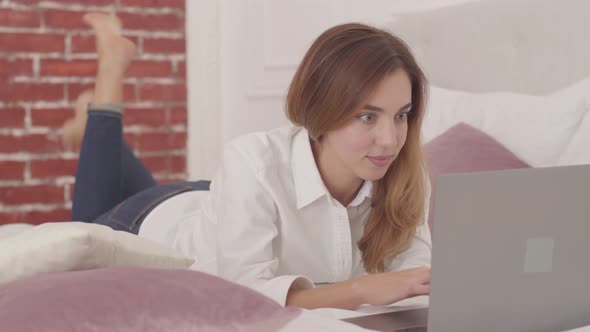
(389,287)
(375,289)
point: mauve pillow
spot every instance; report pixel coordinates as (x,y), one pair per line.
(136,299)
(464,149)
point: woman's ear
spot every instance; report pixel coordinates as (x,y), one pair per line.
(319,139)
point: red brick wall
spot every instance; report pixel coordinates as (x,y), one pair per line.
(46,58)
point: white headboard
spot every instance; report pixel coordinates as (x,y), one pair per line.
(523,46)
(240,62)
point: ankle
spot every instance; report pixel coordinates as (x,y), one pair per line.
(113,69)
(108,88)
(106,107)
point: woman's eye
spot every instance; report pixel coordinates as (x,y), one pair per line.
(403,115)
(367,117)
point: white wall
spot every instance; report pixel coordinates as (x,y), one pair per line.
(242,54)
(203,84)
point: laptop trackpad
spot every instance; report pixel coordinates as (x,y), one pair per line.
(405,320)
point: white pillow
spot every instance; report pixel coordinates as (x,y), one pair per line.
(7,230)
(535,128)
(67,246)
(577,151)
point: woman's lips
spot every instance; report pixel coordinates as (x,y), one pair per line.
(380,161)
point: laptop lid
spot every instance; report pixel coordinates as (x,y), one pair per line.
(410,320)
(511,251)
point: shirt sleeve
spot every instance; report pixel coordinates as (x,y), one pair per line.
(419,252)
(246,228)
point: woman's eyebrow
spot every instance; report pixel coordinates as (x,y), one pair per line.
(370,107)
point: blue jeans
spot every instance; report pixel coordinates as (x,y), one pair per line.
(112,186)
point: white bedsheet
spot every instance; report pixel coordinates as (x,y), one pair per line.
(581,329)
(310,320)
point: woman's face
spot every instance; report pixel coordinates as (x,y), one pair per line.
(368,144)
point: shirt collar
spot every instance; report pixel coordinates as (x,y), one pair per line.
(364,192)
(308,182)
(309,185)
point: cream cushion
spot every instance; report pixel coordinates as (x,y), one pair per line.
(68,246)
(535,128)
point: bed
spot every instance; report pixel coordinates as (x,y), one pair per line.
(510,88)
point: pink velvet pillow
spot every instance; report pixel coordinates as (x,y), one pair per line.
(464,149)
(136,299)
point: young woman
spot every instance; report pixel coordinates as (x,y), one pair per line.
(338,198)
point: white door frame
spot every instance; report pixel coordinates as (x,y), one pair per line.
(203,36)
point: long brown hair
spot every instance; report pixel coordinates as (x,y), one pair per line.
(340,70)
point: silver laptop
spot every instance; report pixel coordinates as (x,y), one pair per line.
(511,252)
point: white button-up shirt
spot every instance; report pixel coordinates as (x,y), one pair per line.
(269,222)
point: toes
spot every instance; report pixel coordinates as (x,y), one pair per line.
(100,21)
(116,24)
(90,18)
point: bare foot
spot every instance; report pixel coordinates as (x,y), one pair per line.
(72,131)
(114,50)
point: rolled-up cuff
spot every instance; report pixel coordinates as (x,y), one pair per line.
(278,288)
(118,108)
